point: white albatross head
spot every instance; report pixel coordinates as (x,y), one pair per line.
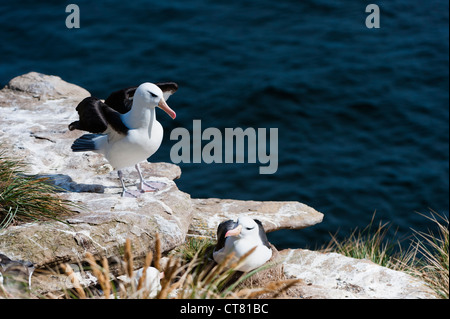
(247,234)
(246,227)
(150,94)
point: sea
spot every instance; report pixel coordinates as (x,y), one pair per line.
(359,97)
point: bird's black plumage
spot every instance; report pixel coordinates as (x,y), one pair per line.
(168,88)
(95,116)
(222,230)
(121,100)
(262,233)
(91,116)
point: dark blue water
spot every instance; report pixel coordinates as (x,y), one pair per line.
(362,114)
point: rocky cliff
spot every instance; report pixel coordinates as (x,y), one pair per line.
(35,110)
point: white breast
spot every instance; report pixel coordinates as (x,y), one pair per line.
(240,247)
(137,146)
(258,258)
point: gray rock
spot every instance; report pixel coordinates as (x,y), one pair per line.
(208,213)
(45,87)
(334,276)
(103,228)
(36,131)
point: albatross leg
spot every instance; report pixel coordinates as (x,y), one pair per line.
(146,186)
(125,191)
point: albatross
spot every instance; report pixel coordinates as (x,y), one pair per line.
(240,237)
(124,128)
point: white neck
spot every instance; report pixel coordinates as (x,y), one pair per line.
(139,117)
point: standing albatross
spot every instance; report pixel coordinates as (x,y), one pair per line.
(124,128)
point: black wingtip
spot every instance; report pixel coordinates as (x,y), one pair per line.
(74,125)
(168,86)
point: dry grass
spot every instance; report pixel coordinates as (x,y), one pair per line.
(426,258)
(429,256)
(75,282)
(197,278)
(370,243)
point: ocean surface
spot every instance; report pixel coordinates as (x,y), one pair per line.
(362,114)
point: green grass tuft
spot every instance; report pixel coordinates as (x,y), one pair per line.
(27,198)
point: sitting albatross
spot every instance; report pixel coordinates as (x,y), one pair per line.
(124,128)
(240,237)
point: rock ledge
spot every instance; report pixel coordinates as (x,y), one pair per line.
(35,110)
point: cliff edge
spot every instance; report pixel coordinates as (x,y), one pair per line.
(35,110)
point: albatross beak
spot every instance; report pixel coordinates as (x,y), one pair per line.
(163,106)
(234,232)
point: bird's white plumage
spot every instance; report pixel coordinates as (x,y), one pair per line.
(152,282)
(125,139)
(247,238)
(145,132)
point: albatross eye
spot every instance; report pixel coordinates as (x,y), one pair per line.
(249,228)
(152,94)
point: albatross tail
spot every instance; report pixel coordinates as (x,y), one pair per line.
(89,142)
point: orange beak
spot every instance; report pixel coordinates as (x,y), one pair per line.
(234,232)
(163,106)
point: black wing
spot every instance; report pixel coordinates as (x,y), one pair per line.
(122,100)
(95,116)
(262,233)
(168,88)
(221,231)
